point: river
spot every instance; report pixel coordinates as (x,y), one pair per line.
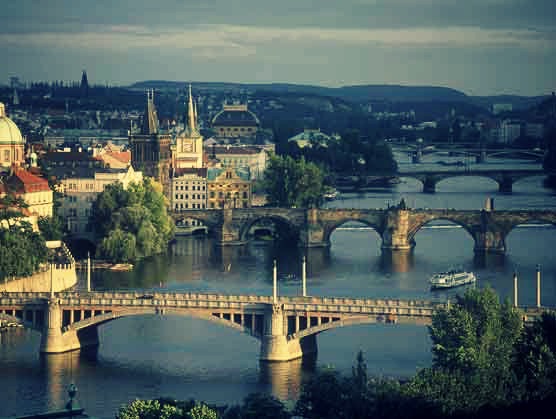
(180,357)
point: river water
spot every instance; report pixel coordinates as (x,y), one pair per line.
(179,357)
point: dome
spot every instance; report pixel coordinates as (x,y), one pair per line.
(237,115)
(9,132)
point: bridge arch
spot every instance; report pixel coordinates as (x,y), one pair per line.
(331,228)
(415,228)
(490,180)
(254,329)
(293,231)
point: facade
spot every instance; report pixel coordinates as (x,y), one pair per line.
(509,131)
(189,189)
(12,144)
(81,188)
(250,159)
(34,191)
(188,150)
(150,150)
(227,189)
(235,121)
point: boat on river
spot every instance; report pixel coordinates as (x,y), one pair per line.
(451,278)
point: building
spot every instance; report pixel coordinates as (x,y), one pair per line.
(189,189)
(534,130)
(80,187)
(311,137)
(12,143)
(150,149)
(510,130)
(249,159)
(188,150)
(501,107)
(32,189)
(235,121)
(227,189)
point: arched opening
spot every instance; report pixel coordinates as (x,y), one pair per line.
(528,245)
(270,229)
(466,183)
(441,244)
(409,184)
(531,185)
(190,226)
(80,247)
(354,248)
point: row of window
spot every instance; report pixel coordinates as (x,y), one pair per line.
(236,204)
(228,195)
(193,188)
(222,129)
(193,196)
(181,205)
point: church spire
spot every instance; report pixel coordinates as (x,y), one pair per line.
(150,121)
(191,115)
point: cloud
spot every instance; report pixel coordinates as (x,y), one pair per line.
(233,40)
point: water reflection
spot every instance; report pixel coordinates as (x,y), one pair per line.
(284,379)
(484,260)
(396,261)
(59,371)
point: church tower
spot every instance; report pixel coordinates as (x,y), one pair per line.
(189,143)
(150,150)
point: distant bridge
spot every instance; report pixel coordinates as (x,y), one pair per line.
(285,326)
(396,227)
(504,178)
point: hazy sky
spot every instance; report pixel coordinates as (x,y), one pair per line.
(478,46)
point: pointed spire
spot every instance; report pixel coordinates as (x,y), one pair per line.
(195,114)
(190,113)
(150,120)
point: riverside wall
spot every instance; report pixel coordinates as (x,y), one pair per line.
(62,276)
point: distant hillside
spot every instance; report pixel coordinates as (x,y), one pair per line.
(362,93)
(517,102)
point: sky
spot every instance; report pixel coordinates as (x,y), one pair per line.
(481,47)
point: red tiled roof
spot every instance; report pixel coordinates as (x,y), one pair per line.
(123,156)
(30,182)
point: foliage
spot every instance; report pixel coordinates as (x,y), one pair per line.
(202,411)
(293,183)
(132,223)
(165,409)
(263,406)
(51,228)
(473,347)
(535,363)
(22,250)
(351,154)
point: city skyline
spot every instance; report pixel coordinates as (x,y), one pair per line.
(480,47)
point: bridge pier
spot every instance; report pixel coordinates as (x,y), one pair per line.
(395,235)
(481,157)
(275,344)
(505,185)
(56,340)
(492,242)
(429,185)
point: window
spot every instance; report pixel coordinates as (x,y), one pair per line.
(6,155)
(212,194)
(177,196)
(244,195)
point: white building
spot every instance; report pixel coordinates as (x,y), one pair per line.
(80,189)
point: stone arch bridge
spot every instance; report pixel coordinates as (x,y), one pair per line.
(396,227)
(504,178)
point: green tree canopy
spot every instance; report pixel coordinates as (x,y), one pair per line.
(473,346)
(290,182)
(131,223)
(22,250)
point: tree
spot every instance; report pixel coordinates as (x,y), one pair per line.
(22,250)
(263,406)
(535,363)
(323,397)
(473,347)
(132,223)
(202,411)
(51,228)
(291,183)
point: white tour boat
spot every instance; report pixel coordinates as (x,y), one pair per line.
(452,278)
